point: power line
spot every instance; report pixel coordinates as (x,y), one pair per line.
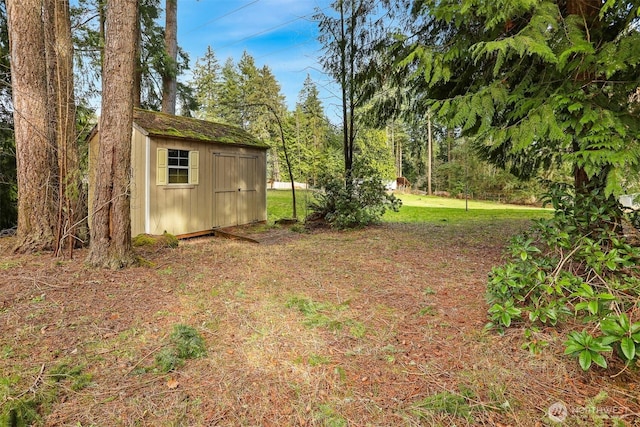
(307,17)
(284,24)
(222,16)
(284,49)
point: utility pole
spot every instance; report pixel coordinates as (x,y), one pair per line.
(429,153)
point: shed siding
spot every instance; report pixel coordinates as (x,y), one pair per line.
(186,208)
(138,182)
(177,208)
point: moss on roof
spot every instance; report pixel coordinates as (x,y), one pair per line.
(166,125)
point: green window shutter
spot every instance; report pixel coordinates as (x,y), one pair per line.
(194,158)
(161,169)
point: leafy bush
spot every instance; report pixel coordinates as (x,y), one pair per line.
(576,265)
(353,203)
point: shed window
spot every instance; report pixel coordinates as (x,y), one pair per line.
(177,166)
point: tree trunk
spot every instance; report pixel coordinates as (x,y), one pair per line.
(111,221)
(61,109)
(429,153)
(169,78)
(588,9)
(137,78)
(34,153)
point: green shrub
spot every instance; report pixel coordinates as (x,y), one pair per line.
(353,203)
(576,265)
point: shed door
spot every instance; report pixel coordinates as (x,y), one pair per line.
(235,190)
(247,190)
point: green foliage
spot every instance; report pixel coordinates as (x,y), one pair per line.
(312,142)
(206,84)
(185,342)
(188,342)
(167,360)
(533,343)
(361,202)
(329,417)
(153,63)
(72,374)
(238,94)
(27,408)
(575,265)
(623,334)
(8,181)
(325,315)
(536,87)
(373,154)
(456,404)
(504,314)
(21,411)
(587,348)
(317,314)
(347,34)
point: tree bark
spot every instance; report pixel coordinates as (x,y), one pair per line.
(61,109)
(137,78)
(34,153)
(111,220)
(588,9)
(169,78)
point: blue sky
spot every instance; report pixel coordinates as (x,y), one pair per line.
(277,33)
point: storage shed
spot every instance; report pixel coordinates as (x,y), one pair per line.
(190,176)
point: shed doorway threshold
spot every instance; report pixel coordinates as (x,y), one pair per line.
(227,233)
(230,233)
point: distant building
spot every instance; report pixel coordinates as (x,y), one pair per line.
(630,201)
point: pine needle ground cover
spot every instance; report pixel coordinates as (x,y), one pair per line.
(381,326)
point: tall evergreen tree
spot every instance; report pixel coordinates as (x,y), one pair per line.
(170,71)
(311,133)
(536,83)
(111,220)
(152,64)
(8,183)
(230,93)
(34,151)
(207,85)
(44,111)
(62,126)
(347,37)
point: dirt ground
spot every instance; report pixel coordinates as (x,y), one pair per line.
(376,327)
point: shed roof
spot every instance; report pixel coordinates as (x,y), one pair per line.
(177,127)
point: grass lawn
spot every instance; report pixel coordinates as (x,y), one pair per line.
(415,209)
(279,204)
